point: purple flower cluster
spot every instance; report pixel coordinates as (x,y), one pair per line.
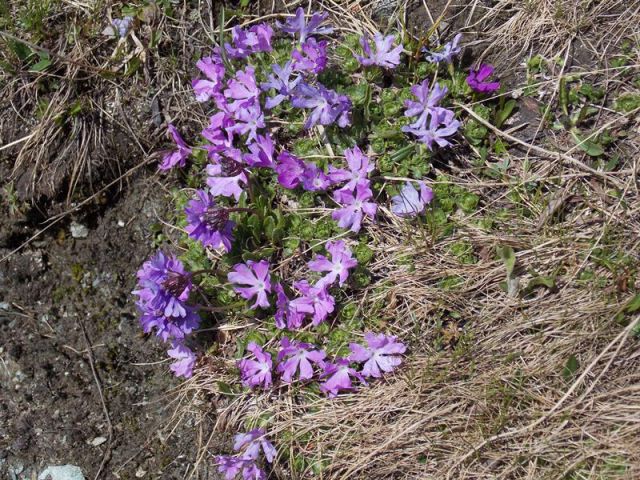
(163,290)
(304,362)
(384,56)
(433,124)
(248,447)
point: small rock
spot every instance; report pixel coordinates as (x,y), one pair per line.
(97,441)
(140,472)
(78,230)
(62,472)
(120,223)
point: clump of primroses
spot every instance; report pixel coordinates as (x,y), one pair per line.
(242,149)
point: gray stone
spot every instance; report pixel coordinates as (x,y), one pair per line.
(62,472)
(78,230)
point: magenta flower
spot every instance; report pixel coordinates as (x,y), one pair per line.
(280,81)
(409,202)
(338,267)
(178,156)
(209,223)
(255,275)
(315,300)
(225,176)
(231,466)
(427,100)
(447,53)
(243,89)
(251,443)
(248,120)
(384,56)
(290,170)
(213,69)
(381,355)
(261,152)
(442,124)
(328,106)
(256,372)
(297,25)
(245,42)
(476,79)
(217,133)
(299,356)
(285,316)
(354,207)
(185,360)
(339,375)
(312,56)
(359,169)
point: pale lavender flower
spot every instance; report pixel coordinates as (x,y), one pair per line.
(256,372)
(339,375)
(338,267)
(427,100)
(280,81)
(255,275)
(409,202)
(253,472)
(312,56)
(245,42)
(122,25)
(248,120)
(213,69)
(297,25)
(252,442)
(384,56)
(231,466)
(359,169)
(328,106)
(261,152)
(184,358)
(354,207)
(225,176)
(381,355)
(209,223)
(178,156)
(290,170)
(314,179)
(442,124)
(447,53)
(297,356)
(315,300)
(476,79)
(285,316)
(243,89)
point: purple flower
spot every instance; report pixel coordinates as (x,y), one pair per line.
(427,100)
(213,69)
(339,265)
(122,25)
(315,300)
(168,327)
(248,120)
(280,80)
(252,442)
(231,466)
(447,53)
(285,316)
(476,79)
(290,170)
(225,176)
(312,56)
(298,26)
(314,179)
(339,376)
(245,42)
(255,275)
(185,359)
(178,156)
(299,356)
(217,133)
(383,56)
(354,207)
(381,355)
(261,152)
(359,169)
(328,106)
(442,124)
(243,89)
(209,223)
(256,372)
(409,202)
(253,472)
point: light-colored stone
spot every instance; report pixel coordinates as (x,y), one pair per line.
(78,230)
(62,472)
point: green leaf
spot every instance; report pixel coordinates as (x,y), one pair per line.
(508,257)
(590,147)
(547,282)
(570,368)
(505,112)
(627,102)
(44,62)
(633,305)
